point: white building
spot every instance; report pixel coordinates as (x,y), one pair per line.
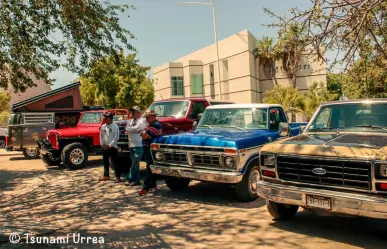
(242,80)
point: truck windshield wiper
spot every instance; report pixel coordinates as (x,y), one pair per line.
(208,126)
(236,127)
(321,129)
(372,126)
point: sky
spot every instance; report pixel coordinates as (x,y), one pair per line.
(165,31)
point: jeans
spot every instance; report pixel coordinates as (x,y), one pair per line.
(111,153)
(135,155)
(150,179)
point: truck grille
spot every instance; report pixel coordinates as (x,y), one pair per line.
(205,160)
(175,157)
(347,174)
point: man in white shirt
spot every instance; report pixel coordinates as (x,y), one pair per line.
(108,137)
(133,128)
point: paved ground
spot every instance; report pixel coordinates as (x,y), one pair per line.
(57,202)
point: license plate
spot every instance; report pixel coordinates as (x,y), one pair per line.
(318,202)
(187,173)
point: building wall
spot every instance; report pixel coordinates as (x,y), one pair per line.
(243,80)
(29,93)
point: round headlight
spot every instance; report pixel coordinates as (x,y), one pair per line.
(229,162)
(158,156)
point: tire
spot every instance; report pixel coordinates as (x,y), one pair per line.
(50,161)
(281,211)
(31,153)
(177,184)
(247,189)
(74,156)
(2,143)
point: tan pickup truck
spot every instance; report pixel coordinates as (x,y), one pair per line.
(338,164)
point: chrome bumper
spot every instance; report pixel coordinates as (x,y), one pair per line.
(198,174)
(345,203)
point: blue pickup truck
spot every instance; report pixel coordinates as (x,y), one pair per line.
(224,147)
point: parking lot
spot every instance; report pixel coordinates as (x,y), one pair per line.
(57,202)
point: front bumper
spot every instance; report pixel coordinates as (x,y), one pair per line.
(45,148)
(344,203)
(198,174)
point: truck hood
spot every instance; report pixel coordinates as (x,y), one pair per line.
(217,138)
(80,131)
(353,145)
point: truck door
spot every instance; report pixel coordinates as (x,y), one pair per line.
(197,108)
(276,116)
(15,131)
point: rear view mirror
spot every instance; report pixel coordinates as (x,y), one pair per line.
(283,129)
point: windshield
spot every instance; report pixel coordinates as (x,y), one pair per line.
(247,118)
(351,117)
(92,118)
(177,109)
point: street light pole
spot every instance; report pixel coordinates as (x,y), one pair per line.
(216,40)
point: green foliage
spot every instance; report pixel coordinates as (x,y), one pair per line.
(37,37)
(4,101)
(334,84)
(286,96)
(118,82)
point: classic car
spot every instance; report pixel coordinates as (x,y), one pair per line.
(224,147)
(338,164)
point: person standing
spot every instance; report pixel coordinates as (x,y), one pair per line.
(153,130)
(133,128)
(108,137)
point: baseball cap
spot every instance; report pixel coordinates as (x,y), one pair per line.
(135,108)
(108,115)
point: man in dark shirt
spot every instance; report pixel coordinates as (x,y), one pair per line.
(152,130)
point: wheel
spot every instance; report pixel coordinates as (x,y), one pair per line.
(74,156)
(2,143)
(281,211)
(177,184)
(50,160)
(247,189)
(31,153)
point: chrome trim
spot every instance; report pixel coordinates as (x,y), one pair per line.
(342,202)
(200,174)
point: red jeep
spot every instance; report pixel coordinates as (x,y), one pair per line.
(73,145)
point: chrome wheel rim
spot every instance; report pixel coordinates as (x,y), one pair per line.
(2,144)
(32,152)
(253,181)
(77,156)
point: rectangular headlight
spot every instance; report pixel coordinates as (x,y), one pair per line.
(383,170)
(268,160)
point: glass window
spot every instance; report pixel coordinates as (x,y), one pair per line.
(352,117)
(176,109)
(276,117)
(197,84)
(197,108)
(177,86)
(247,118)
(92,118)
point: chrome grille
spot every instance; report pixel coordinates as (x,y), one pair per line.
(175,157)
(205,160)
(347,174)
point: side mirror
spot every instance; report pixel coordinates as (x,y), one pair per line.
(283,129)
(302,128)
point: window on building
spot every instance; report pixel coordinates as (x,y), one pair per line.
(197,84)
(177,86)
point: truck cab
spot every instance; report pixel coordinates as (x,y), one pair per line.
(338,164)
(224,147)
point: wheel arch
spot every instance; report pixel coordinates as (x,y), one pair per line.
(253,160)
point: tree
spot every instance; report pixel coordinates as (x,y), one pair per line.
(334,84)
(37,37)
(268,54)
(346,27)
(4,102)
(120,82)
(287,96)
(88,92)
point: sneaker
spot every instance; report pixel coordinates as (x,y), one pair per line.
(128,183)
(132,184)
(105,178)
(143,192)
